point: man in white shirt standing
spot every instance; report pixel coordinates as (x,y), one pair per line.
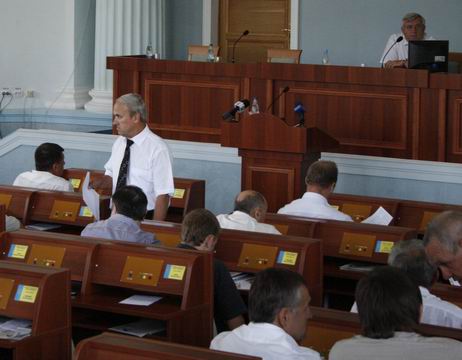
(139,157)
(395,53)
(320,180)
(49,165)
(249,213)
(278,313)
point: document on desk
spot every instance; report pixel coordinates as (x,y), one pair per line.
(91,197)
(140,300)
(380,217)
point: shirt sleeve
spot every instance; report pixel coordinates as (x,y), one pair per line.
(228,302)
(162,173)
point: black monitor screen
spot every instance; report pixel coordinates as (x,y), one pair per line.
(431,55)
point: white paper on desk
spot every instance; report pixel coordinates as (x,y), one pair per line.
(91,197)
(140,300)
(380,217)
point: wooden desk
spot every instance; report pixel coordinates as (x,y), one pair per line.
(344,242)
(250,252)
(108,346)
(183,278)
(189,193)
(42,296)
(2,217)
(60,207)
(406,213)
(328,326)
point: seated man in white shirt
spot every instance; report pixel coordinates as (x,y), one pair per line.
(49,167)
(278,313)
(396,52)
(249,213)
(410,256)
(320,181)
(390,306)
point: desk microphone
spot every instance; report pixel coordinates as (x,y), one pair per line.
(398,39)
(300,111)
(245,33)
(277,97)
(239,106)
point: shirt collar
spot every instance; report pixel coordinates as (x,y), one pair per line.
(139,138)
(315,196)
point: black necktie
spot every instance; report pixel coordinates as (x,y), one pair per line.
(123,172)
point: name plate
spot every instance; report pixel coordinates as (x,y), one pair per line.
(26,293)
(18,251)
(141,271)
(287,258)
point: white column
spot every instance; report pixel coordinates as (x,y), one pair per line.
(123,27)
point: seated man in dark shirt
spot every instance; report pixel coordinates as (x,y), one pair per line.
(199,231)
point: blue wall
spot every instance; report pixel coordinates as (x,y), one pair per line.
(355,31)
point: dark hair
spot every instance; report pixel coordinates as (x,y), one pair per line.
(322,173)
(46,155)
(250,201)
(130,201)
(197,225)
(445,228)
(388,301)
(410,256)
(272,290)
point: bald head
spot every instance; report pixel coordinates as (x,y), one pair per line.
(253,203)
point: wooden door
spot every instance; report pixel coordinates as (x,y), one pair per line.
(268,22)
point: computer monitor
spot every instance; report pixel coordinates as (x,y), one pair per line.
(431,55)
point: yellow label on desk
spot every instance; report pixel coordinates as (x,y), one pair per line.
(174,272)
(26,293)
(85,212)
(287,258)
(384,246)
(75,183)
(179,193)
(18,251)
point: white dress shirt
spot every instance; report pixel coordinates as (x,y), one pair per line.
(239,220)
(43,180)
(264,340)
(150,165)
(399,50)
(403,345)
(313,205)
(435,311)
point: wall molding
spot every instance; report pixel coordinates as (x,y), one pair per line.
(433,171)
(103,143)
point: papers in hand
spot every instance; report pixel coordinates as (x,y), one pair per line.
(380,217)
(140,328)
(140,300)
(91,197)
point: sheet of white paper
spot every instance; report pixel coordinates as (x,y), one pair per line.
(141,300)
(380,217)
(91,197)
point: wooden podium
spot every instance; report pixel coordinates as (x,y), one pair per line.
(275,156)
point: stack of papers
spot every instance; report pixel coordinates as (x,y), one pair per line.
(15,329)
(243,281)
(140,328)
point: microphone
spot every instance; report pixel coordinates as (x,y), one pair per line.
(245,33)
(239,106)
(277,97)
(300,111)
(398,39)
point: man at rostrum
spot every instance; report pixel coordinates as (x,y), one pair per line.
(139,157)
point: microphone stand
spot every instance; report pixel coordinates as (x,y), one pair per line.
(245,33)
